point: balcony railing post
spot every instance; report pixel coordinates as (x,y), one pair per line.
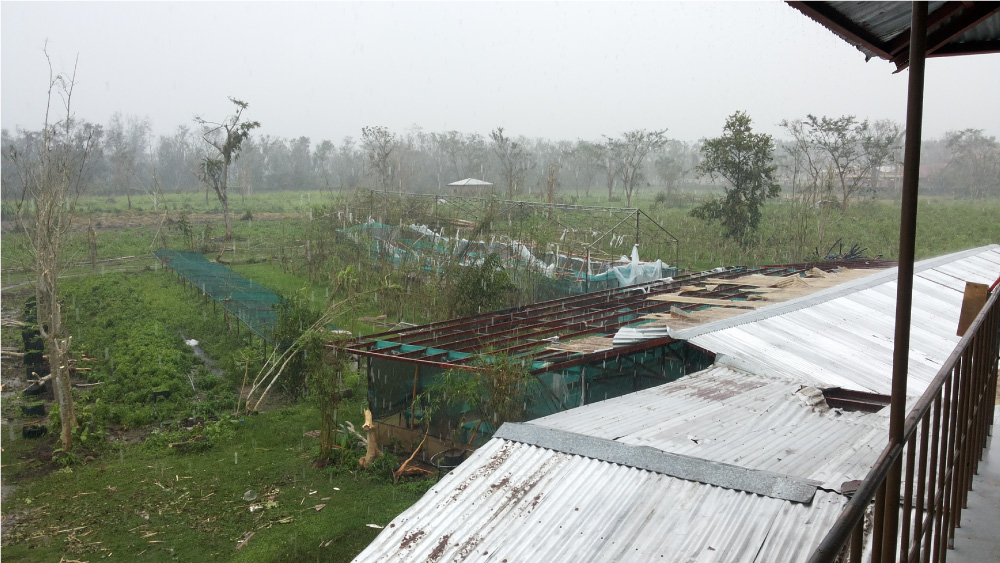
(877,522)
(918,518)
(943,502)
(858,541)
(932,479)
(979,394)
(962,440)
(904,543)
(953,417)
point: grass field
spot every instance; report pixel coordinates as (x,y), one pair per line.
(131,496)
(283,223)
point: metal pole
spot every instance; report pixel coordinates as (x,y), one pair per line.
(637,217)
(904,280)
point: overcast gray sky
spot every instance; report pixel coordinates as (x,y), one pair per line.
(555,70)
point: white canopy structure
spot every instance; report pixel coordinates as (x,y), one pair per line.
(470,182)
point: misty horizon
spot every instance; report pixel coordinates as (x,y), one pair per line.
(541,71)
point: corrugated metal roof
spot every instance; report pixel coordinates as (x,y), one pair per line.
(882,29)
(843,337)
(519,502)
(884,20)
(515,502)
(729,416)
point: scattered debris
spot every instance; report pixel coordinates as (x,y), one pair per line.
(243,541)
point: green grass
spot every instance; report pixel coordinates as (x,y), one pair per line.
(787,233)
(195,202)
(790,235)
(148,501)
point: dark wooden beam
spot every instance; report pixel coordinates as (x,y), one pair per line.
(968,48)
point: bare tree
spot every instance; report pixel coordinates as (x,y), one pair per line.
(407,158)
(126,139)
(805,159)
(350,165)
(974,166)
(226,137)
(629,151)
(322,159)
(880,144)
(514,160)
(608,165)
(51,174)
(379,143)
(670,165)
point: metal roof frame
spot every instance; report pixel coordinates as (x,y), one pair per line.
(529,330)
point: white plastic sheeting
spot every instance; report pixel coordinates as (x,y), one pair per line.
(633,272)
(636,272)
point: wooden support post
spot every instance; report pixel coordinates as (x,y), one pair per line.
(972,303)
(372,441)
(413,408)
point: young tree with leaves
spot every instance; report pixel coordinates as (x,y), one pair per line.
(51,175)
(227,138)
(743,159)
(485,287)
(629,151)
(327,366)
(497,389)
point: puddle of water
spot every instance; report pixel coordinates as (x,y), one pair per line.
(209,362)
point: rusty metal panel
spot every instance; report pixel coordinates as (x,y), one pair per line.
(517,502)
(729,416)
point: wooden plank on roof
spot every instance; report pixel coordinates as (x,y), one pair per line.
(676,298)
(583,345)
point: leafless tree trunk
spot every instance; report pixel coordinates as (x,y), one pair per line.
(215,171)
(51,175)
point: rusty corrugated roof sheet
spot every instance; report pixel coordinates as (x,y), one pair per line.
(729,416)
(517,502)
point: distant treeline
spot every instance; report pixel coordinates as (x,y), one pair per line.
(820,160)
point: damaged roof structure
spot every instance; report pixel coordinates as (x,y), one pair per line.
(752,459)
(585,348)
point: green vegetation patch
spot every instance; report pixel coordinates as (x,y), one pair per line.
(131,330)
(147,503)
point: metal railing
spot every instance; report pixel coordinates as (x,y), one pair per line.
(944,437)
